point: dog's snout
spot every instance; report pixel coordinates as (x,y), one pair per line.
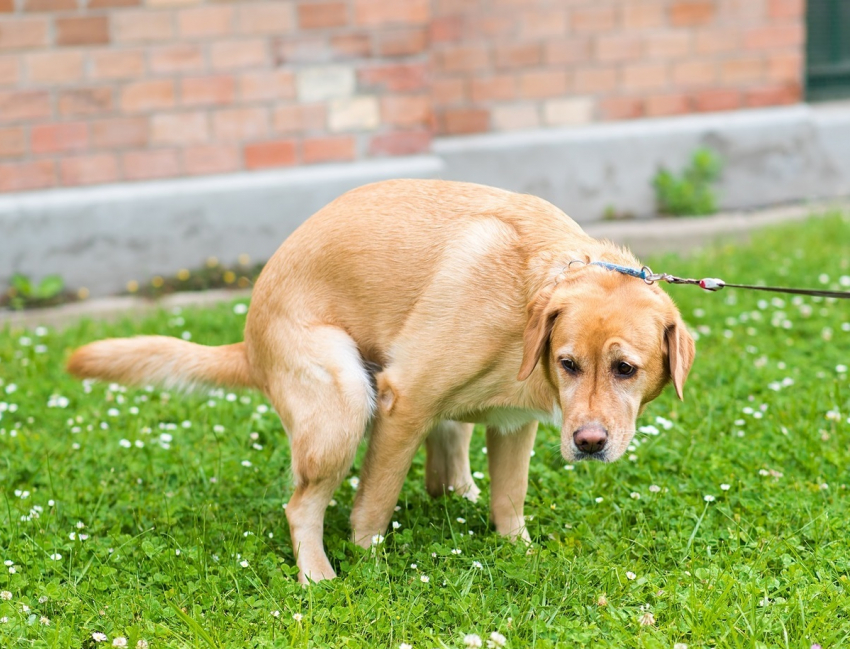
(590,439)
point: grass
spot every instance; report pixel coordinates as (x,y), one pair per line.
(171,510)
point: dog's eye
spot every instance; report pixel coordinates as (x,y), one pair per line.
(624,369)
(569,365)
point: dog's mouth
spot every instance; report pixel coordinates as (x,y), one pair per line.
(601,456)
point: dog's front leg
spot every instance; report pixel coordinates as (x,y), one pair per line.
(508,457)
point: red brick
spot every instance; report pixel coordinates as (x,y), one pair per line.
(143,26)
(785,67)
(463,58)
(179,128)
(448,91)
(595,80)
(446,29)
(406,111)
(379,13)
(717,41)
(690,13)
(182,57)
(217,90)
(405,42)
(108,4)
(643,15)
(146,165)
(786,9)
(144,96)
(90,169)
(55,67)
(540,23)
(614,108)
(234,124)
(774,37)
(778,95)
(618,47)
(302,49)
(717,99)
(241,54)
(277,153)
(119,133)
(346,46)
(328,149)
(59,138)
(7,6)
(455,121)
(702,72)
(24,176)
(498,88)
(23,33)
(596,19)
(542,83)
(517,56)
(400,143)
(268,85)
(24,105)
(670,104)
(117,64)
(395,77)
(668,45)
(9,68)
(492,27)
(266,18)
(742,70)
(299,118)
(205,22)
(643,76)
(211,159)
(49,5)
(13,142)
(569,51)
(85,101)
(84,30)
(321,15)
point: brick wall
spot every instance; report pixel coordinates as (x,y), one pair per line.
(99,91)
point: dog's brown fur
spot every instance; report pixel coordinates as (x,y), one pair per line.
(415,308)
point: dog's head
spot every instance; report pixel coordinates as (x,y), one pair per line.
(609,344)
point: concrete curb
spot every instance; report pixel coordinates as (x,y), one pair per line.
(643,236)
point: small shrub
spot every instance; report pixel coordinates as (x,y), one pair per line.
(24,293)
(690,193)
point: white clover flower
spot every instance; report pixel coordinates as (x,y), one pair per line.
(654,488)
(472,641)
(275,613)
(680,645)
(630,575)
(120,641)
(5,594)
(424,579)
(633,458)
(708,498)
(125,443)
(497,640)
(142,644)
(297,617)
(477,564)
(243,563)
(4,620)
(354,481)
(97,636)
(240,309)
(377,539)
(647,619)
(396,525)
(246,463)
(725,487)
(599,499)
(456,551)
(461,520)
(478,475)
(56,556)
(404,645)
(635,495)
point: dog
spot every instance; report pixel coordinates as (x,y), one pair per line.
(414,309)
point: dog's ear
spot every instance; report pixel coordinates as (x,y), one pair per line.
(680,354)
(542,312)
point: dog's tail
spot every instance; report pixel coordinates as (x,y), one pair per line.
(164,361)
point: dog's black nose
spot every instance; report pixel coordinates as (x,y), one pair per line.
(590,439)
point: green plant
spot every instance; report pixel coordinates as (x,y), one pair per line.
(23,292)
(691,192)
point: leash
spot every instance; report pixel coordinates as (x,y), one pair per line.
(709,283)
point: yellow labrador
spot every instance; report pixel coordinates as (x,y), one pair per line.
(415,308)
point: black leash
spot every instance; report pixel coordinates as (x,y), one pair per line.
(712,283)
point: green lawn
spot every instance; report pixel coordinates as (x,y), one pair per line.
(139,514)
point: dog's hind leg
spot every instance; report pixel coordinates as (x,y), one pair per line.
(447,461)
(325,398)
(508,457)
